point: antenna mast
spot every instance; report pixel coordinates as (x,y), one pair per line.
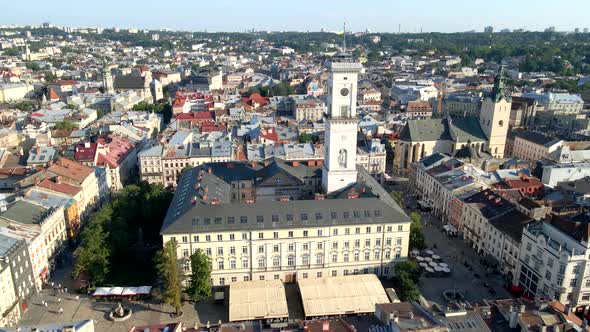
(344,39)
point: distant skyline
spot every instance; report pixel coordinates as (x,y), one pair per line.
(304,15)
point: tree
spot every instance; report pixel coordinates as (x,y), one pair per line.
(398,198)
(33,66)
(92,257)
(167,267)
(25,106)
(65,125)
(407,275)
(306,138)
(416,236)
(199,285)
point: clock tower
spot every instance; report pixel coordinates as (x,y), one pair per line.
(341,123)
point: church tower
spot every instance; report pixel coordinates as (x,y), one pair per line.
(107,80)
(341,123)
(495,115)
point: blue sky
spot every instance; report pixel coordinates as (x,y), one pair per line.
(303,15)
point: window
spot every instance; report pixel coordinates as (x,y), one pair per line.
(335,232)
(305,233)
(219,251)
(244,250)
(346,215)
(243,220)
(275,248)
(387,254)
(305,259)
(275,235)
(368,229)
(576,269)
(221,281)
(185,239)
(232,237)
(208,252)
(291,247)
(345,272)
(187,267)
(234,279)
(261,278)
(346,257)
(378,242)
(275,218)
(400,228)
(244,236)
(276,261)
(319,259)
(290,233)
(261,262)
(320,232)
(319,274)
(377,213)
(184,252)
(304,216)
(357,230)
(335,245)
(276,277)
(219,237)
(356,256)
(305,246)
(289,217)
(304,275)
(398,241)
(367,242)
(548,275)
(356,214)
(334,258)
(259,219)
(319,216)
(379,229)
(260,235)
(333,215)
(232,264)
(357,243)
(346,244)
(390,229)
(196,238)
(573,282)
(347,231)
(529,247)
(244,263)
(377,255)
(320,245)
(261,249)
(290,260)
(220,265)
(367,255)
(208,238)
(388,241)
(334,273)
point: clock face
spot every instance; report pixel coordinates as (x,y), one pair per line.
(344,92)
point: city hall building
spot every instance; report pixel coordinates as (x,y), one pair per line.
(290,220)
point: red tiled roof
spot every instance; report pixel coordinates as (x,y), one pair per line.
(179,102)
(64,82)
(64,188)
(270,134)
(256,98)
(53,95)
(85,151)
(71,169)
(117,149)
(209,127)
(202,116)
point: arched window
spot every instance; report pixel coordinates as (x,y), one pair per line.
(305,259)
(342,158)
(319,259)
(261,262)
(276,261)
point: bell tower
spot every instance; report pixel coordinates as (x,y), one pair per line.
(495,116)
(107,79)
(341,122)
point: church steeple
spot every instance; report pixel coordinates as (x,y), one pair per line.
(498,91)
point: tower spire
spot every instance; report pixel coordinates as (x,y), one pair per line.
(344,39)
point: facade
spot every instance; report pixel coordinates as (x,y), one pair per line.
(554,261)
(8,301)
(533,146)
(309,110)
(14,251)
(277,222)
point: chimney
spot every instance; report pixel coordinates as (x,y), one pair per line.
(215,202)
(206,189)
(284,198)
(295,163)
(326,326)
(266,163)
(204,198)
(58,179)
(311,163)
(320,162)
(352,194)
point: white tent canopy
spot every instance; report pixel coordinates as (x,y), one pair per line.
(260,299)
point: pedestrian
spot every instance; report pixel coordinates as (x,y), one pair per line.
(45,304)
(52,284)
(61,311)
(59,300)
(65,289)
(77,297)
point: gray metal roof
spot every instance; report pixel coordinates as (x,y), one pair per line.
(268,215)
(8,244)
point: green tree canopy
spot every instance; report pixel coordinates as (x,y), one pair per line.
(65,125)
(92,257)
(416,236)
(167,267)
(199,286)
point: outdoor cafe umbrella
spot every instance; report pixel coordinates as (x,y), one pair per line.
(433,264)
(435,257)
(429,270)
(427,259)
(419,258)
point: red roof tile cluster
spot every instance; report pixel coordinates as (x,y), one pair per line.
(255,100)
(86,151)
(57,186)
(195,116)
(64,82)
(210,127)
(270,134)
(71,170)
(114,152)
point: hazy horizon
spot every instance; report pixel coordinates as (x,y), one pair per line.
(375,15)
